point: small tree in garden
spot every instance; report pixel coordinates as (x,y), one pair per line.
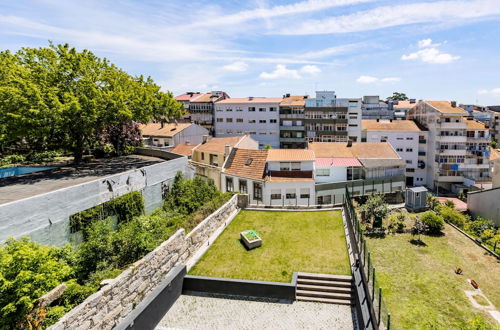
(376,209)
(397,222)
(449,203)
(418,229)
(478,226)
(434,222)
(432,202)
(453,216)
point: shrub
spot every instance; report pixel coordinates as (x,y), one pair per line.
(43,157)
(396,222)
(12,159)
(433,222)
(478,226)
(453,216)
(376,209)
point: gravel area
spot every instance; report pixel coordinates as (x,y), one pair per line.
(210,312)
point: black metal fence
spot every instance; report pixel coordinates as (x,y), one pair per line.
(375,291)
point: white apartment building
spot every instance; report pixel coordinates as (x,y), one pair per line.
(407,139)
(373,108)
(257,116)
(331,119)
(457,153)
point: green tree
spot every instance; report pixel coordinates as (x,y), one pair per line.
(494,144)
(432,202)
(397,96)
(453,216)
(418,228)
(376,209)
(60,97)
(434,222)
(28,270)
(478,226)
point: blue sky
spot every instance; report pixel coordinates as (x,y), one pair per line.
(447,49)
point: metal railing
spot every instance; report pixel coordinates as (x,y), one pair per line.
(375,290)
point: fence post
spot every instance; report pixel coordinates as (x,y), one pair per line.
(373,287)
(364,254)
(388,321)
(369,264)
(379,304)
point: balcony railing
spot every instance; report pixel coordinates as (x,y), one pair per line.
(292,128)
(291,174)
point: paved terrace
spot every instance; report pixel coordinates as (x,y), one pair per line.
(210,312)
(24,186)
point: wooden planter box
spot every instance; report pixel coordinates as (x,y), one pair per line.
(250,244)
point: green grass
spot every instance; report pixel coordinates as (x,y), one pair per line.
(291,242)
(420,287)
(481,300)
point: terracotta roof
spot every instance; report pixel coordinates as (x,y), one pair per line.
(475,125)
(168,129)
(387,125)
(285,179)
(342,162)
(376,150)
(218,145)
(282,155)
(445,107)
(247,163)
(251,100)
(184,149)
(494,154)
(404,105)
(187,96)
(293,100)
(207,97)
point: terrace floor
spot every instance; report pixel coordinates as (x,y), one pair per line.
(211,312)
(298,241)
(24,186)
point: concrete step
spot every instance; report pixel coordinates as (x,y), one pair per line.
(325,300)
(320,294)
(325,277)
(308,281)
(324,288)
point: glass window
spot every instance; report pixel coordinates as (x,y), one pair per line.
(257,191)
(229,184)
(323,172)
(243,186)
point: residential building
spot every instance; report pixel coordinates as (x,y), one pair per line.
(185,149)
(208,158)
(484,203)
(494,125)
(332,119)
(201,109)
(495,167)
(457,146)
(276,177)
(292,126)
(172,134)
(477,112)
(362,167)
(373,108)
(409,141)
(401,108)
(256,116)
(185,99)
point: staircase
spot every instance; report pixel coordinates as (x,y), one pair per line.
(324,288)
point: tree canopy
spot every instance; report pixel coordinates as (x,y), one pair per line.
(397,96)
(60,98)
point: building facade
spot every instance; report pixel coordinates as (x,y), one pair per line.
(373,108)
(172,134)
(292,126)
(409,141)
(494,125)
(332,119)
(201,109)
(401,108)
(255,116)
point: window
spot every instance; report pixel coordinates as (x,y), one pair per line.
(202,156)
(243,186)
(251,121)
(262,121)
(275,194)
(229,120)
(400,138)
(239,120)
(272,109)
(239,109)
(229,110)
(295,166)
(409,138)
(284,166)
(257,191)
(229,131)
(399,149)
(262,109)
(290,194)
(273,121)
(409,149)
(323,172)
(213,160)
(220,120)
(353,125)
(408,161)
(251,109)
(229,184)
(304,193)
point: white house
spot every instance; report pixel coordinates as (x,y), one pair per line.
(257,116)
(172,134)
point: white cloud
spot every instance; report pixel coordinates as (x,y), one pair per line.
(372,80)
(281,71)
(430,55)
(427,43)
(238,66)
(494,92)
(388,16)
(310,70)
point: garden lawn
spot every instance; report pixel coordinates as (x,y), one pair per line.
(420,287)
(291,242)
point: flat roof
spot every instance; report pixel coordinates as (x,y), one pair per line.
(390,125)
(365,150)
(251,100)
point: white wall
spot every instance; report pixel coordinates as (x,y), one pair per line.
(194,134)
(337,174)
(304,165)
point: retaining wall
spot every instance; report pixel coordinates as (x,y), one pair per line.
(110,306)
(45,217)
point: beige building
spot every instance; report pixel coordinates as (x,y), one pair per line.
(172,134)
(209,157)
(495,167)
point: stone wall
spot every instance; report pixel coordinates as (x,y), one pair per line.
(110,305)
(45,217)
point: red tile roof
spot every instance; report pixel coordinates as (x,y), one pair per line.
(247,163)
(187,96)
(341,162)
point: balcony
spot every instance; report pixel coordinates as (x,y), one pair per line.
(451,126)
(452,152)
(326,120)
(292,128)
(291,174)
(451,138)
(341,133)
(449,178)
(468,166)
(422,141)
(291,115)
(422,153)
(292,139)
(478,139)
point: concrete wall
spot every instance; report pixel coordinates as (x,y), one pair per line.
(112,304)
(45,217)
(485,204)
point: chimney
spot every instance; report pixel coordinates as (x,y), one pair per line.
(378,120)
(162,124)
(227,150)
(287,94)
(390,120)
(204,139)
(349,143)
(413,101)
(250,98)
(453,104)
(187,142)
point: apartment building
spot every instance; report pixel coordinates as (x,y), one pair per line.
(457,147)
(401,108)
(276,177)
(331,119)
(494,125)
(407,139)
(208,158)
(292,126)
(201,109)
(172,134)
(373,108)
(186,98)
(256,116)
(363,168)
